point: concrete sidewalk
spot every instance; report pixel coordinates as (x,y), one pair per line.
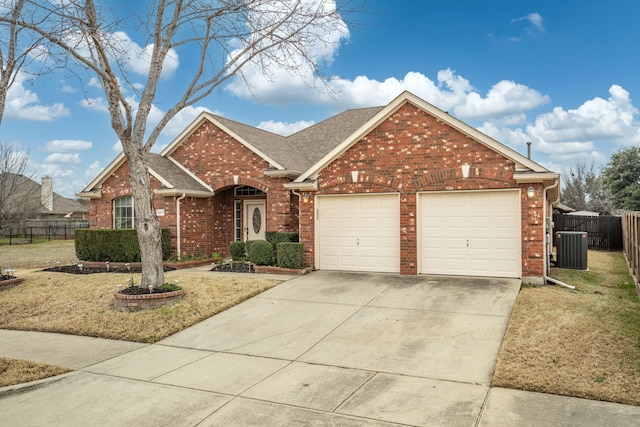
(322,349)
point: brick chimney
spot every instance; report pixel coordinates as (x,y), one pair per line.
(47,193)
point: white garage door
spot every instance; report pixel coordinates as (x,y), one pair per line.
(470,233)
(358,233)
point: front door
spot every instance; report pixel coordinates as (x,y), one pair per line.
(254,219)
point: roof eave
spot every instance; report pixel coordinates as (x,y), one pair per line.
(91,194)
(173,192)
(303,186)
(284,173)
(106,172)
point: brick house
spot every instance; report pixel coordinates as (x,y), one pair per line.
(402,188)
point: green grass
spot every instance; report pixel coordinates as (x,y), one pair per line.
(583,342)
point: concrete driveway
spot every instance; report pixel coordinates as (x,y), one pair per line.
(322,349)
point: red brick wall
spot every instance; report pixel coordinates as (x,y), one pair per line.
(412,151)
(215,157)
(207,224)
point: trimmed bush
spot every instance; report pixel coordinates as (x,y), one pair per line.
(291,255)
(276,237)
(116,245)
(261,252)
(248,244)
(238,251)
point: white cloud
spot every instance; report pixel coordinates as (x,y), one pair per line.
(138,58)
(117,147)
(568,135)
(22,103)
(96,104)
(95,82)
(57,145)
(63,159)
(535,19)
(504,98)
(449,92)
(596,119)
(284,129)
(93,171)
(68,89)
(286,67)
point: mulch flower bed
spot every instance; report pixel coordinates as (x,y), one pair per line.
(75,269)
(234,267)
(136,290)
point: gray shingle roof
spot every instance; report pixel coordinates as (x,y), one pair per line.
(318,140)
(301,150)
(26,188)
(173,174)
(277,147)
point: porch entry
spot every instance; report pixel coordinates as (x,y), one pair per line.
(254,216)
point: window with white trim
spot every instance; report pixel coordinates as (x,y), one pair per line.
(238,219)
(245,190)
(123,212)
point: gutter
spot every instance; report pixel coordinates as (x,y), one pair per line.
(178,223)
(547,246)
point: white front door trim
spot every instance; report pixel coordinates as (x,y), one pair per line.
(255,219)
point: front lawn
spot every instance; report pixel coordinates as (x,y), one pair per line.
(583,342)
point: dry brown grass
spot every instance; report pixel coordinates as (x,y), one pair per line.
(583,343)
(82,304)
(13,371)
(35,255)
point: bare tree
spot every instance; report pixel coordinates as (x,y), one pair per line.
(583,189)
(225,38)
(19,194)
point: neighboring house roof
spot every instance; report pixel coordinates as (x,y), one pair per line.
(584,213)
(563,208)
(303,155)
(25,187)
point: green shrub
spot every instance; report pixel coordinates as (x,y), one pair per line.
(238,251)
(290,255)
(116,245)
(248,244)
(275,237)
(261,252)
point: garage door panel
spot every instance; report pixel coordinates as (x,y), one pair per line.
(477,233)
(369,226)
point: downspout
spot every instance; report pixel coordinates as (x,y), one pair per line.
(548,238)
(179,249)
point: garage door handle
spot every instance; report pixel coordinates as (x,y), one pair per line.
(357,242)
(467,242)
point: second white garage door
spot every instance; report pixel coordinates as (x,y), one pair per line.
(470,233)
(358,232)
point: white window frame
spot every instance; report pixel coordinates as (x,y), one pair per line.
(117,214)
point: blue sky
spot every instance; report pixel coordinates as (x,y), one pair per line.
(562,74)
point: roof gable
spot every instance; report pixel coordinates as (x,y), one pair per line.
(275,149)
(521,162)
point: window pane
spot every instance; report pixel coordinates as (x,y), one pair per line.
(123,213)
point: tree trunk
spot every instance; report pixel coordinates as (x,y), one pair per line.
(147,224)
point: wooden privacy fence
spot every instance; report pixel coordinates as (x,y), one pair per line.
(603,232)
(631,233)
